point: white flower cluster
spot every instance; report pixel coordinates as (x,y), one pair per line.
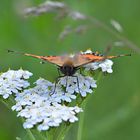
(13,82)
(42,108)
(78,84)
(46,91)
(39,105)
(105,65)
(46,116)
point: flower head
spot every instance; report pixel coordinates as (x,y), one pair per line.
(105,66)
(46,116)
(42,109)
(13,82)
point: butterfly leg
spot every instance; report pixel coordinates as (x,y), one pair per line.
(58,70)
(66,82)
(77,82)
(55,84)
(56,81)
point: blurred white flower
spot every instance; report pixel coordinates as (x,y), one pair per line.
(60,8)
(77,15)
(116,25)
(118,44)
(48,6)
(13,82)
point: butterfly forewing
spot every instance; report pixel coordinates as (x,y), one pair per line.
(79,60)
(93,57)
(83,59)
(58,60)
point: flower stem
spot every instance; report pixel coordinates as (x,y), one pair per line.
(31,136)
(63,132)
(5,104)
(82,115)
(81,122)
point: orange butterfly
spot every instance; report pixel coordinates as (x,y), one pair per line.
(69,64)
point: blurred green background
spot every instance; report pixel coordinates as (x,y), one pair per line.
(113,112)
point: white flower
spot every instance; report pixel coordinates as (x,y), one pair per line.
(13,82)
(78,83)
(77,15)
(43,91)
(105,66)
(88,51)
(47,116)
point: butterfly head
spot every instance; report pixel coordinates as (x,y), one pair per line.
(68,69)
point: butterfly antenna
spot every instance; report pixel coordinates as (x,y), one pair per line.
(26,54)
(11,51)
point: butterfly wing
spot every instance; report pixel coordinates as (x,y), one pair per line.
(57,60)
(83,59)
(80,59)
(77,60)
(94,57)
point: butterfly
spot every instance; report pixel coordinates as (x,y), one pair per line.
(69,64)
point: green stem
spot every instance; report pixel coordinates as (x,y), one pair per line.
(81,122)
(29,133)
(50,137)
(99,77)
(31,136)
(5,104)
(63,132)
(82,115)
(51,134)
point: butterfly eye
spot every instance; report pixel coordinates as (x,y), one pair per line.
(65,67)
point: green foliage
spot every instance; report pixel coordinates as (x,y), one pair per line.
(113,111)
